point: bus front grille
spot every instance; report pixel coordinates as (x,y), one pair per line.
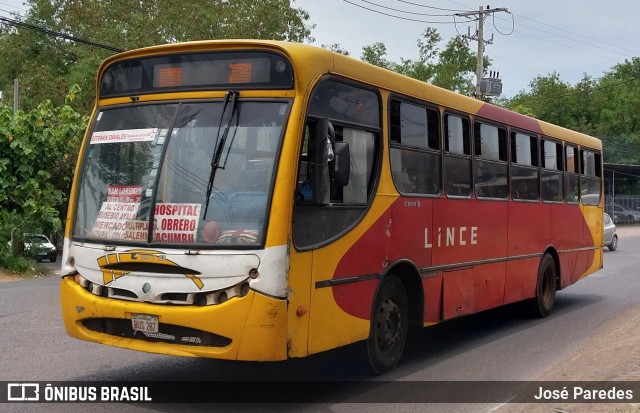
(167,333)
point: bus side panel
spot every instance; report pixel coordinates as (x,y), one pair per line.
(521,279)
(528,228)
(409,219)
(467,231)
(567,228)
(595,215)
(472,231)
(581,265)
(457,293)
(489,285)
(529,234)
(593,237)
(432,287)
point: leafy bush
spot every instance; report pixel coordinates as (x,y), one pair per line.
(38,152)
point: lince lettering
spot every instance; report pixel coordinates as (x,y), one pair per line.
(450,237)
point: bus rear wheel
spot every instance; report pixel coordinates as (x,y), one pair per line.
(545,298)
(389,325)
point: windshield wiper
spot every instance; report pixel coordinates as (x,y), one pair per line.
(230,97)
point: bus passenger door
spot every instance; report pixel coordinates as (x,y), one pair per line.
(331,223)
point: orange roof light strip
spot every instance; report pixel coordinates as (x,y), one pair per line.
(169,76)
(240,72)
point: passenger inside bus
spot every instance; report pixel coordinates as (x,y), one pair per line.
(525,191)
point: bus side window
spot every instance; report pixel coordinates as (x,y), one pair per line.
(457,160)
(552,167)
(327,204)
(525,184)
(572,177)
(414,148)
(491,169)
(591,177)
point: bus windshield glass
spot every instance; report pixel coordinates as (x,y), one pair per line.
(148,168)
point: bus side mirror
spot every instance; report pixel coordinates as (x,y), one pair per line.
(342,164)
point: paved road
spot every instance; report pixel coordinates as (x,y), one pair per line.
(500,344)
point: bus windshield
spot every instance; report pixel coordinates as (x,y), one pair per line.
(148,167)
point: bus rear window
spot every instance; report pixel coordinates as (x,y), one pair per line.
(193,71)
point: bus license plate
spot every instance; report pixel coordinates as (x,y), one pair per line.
(144,323)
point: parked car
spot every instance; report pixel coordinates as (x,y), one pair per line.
(622,214)
(610,236)
(40,247)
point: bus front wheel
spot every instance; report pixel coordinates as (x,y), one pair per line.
(389,325)
(544,300)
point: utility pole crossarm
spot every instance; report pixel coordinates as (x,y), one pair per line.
(487,11)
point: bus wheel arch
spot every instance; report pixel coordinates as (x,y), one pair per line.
(546,286)
(395,308)
(410,276)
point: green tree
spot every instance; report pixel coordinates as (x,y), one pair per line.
(608,108)
(37,155)
(47,66)
(452,68)
(335,47)
(376,55)
(549,99)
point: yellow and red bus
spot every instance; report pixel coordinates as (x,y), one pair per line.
(260,200)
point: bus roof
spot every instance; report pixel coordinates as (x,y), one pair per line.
(325,61)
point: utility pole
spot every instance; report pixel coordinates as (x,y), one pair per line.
(480,15)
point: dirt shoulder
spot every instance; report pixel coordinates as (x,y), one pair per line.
(611,354)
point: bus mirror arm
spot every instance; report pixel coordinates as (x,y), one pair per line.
(342,164)
(322,155)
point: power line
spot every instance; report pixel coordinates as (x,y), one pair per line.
(577,34)
(561,44)
(405,11)
(634,53)
(513,25)
(429,7)
(40,29)
(397,17)
(15,7)
(566,38)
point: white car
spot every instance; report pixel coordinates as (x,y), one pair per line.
(610,236)
(40,247)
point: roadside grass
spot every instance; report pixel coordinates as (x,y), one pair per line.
(31,270)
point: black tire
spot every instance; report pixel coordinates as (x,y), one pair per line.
(542,304)
(389,325)
(613,245)
(53,258)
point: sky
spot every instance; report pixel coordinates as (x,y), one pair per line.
(570,37)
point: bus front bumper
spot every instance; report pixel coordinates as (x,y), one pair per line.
(250,328)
